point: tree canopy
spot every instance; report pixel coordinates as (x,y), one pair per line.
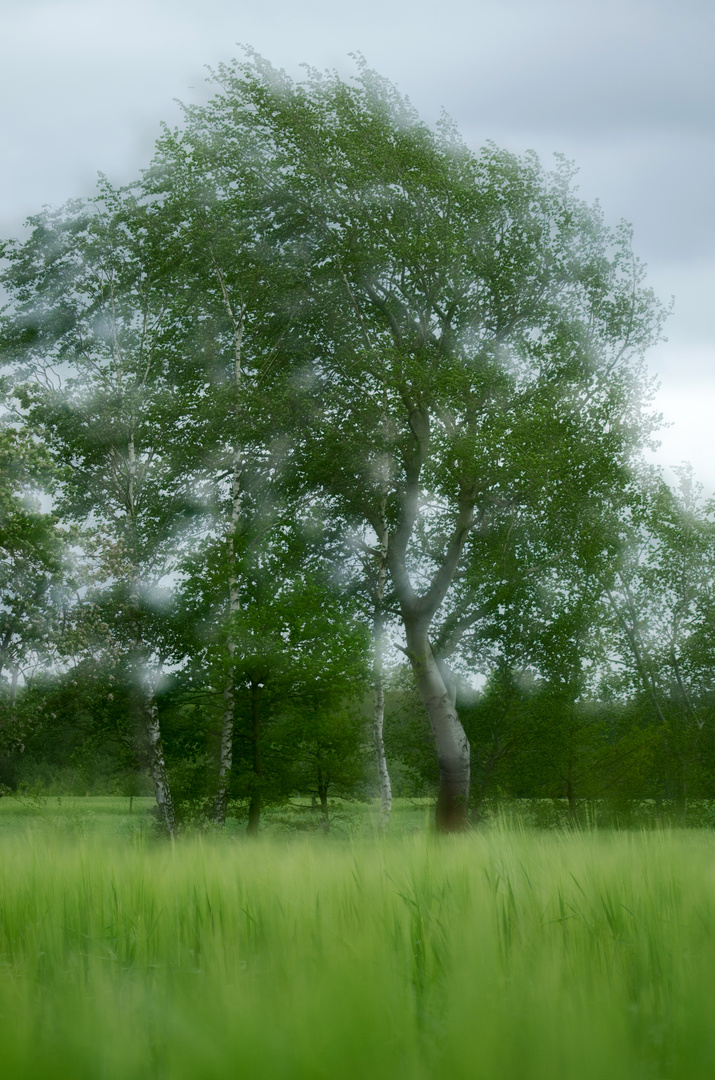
(326,374)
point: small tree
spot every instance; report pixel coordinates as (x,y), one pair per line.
(93,335)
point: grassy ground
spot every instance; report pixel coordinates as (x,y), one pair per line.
(118,817)
(502,955)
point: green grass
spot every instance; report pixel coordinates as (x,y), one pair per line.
(503,955)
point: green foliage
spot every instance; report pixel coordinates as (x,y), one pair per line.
(78,734)
(314,321)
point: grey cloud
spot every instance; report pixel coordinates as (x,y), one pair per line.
(623,87)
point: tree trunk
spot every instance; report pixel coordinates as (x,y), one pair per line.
(487,770)
(383,774)
(681,790)
(254,813)
(378,682)
(453,751)
(13,684)
(437,689)
(254,806)
(157,767)
(323,785)
(234,594)
(148,710)
(234,607)
(226,752)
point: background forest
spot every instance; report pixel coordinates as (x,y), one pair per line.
(322,478)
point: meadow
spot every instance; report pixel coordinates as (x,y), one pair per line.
(505,954)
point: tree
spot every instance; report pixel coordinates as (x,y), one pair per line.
(312,291)
(468,316)
(236,276)
(299,655)
(658,600)
(94,335)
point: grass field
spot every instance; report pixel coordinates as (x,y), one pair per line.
(503,955)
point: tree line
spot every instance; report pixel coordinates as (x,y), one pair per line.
(323,466)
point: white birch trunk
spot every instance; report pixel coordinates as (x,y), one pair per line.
(225,752)
(157,767)
(382,771)
(378,682)
(147,683)
(234,606)
(254,806)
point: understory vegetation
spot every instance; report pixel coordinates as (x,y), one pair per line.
(509,953)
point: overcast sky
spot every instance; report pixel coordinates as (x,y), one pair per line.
(626,89)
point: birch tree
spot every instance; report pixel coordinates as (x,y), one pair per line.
(93,333)
(243,295)
(467,311)
(429,339)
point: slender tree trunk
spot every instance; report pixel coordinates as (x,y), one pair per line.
(148,715)
(377,726)
(226,751)
(157,767)
(681,790)
(324,815)
(13,684)
(453,751)
(146,686)
(378,681)
(323,785)
(234,595)
(254,813)
(571,800)
(254,806)
(487,770)
(234,607)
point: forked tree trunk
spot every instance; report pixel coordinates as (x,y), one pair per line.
(157,768)
(453,751)
(437,691)
(254,806)
(379,685)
